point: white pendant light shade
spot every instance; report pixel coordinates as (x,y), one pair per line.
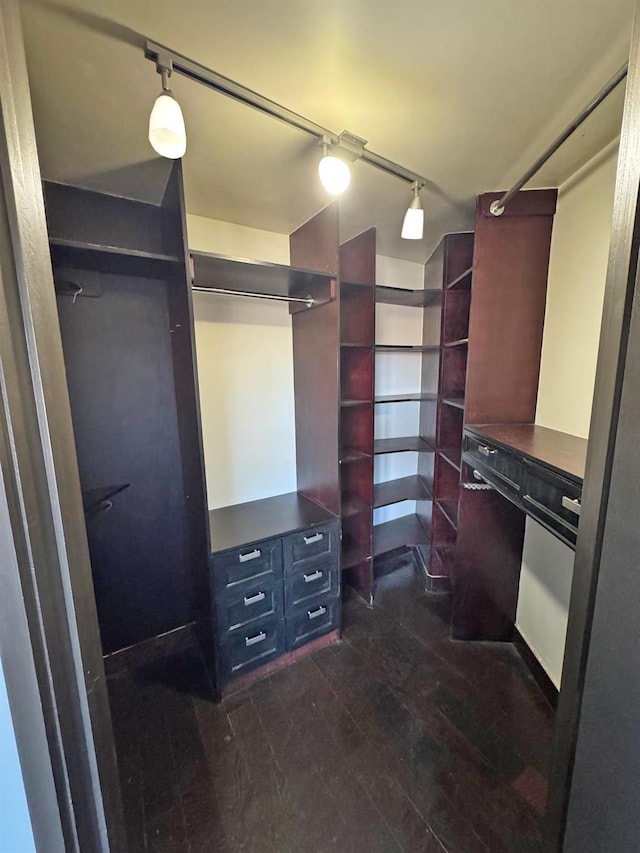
(167,133)
(334,174)
(413,225)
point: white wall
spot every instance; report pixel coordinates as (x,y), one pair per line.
(577,272)
(245,368)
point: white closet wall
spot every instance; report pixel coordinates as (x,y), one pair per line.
(577,273)
(245,369)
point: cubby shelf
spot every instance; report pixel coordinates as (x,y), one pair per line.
(399,533)
(403,489)
(456,402)
(405,398)
(449,509)
(347,403)
(401,445)
(462,282)
(348,454)
(400,348)
(452,455)
(461,343)
(352,506)
(407,298)
(115,259)
(345,345)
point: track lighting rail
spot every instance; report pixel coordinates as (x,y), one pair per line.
(167,61)
(497,207)
(221,291)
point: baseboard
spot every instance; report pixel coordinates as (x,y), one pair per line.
(535,668)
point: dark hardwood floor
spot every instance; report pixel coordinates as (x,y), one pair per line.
(395,739)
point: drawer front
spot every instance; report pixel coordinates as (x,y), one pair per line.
(321,541)
(504,464)
(311,579)
(553,500)
(311,620)
(235,567)
(243,604)
(251,647)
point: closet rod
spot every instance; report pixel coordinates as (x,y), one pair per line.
(306,300)
(497,207)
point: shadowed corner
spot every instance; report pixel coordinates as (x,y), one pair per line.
(95,23)
(144,181)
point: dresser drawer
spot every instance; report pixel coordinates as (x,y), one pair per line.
(321,541)
(507,467)
(251,647)
(311,579)
(311,620)
(243,604)
(553,500)
(235,567)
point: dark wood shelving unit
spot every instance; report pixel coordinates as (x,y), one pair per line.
(449,508)
(350,455)
(456,402)
(406,398)
(461,343)
(401,348)
(453,456)
(398,533)
(407,298)
(412,488)
(405,444)
(98,499)
(462,282)
(347,403)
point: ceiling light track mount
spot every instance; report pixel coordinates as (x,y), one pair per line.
(344,142)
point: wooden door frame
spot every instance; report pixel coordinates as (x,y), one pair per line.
(49,638)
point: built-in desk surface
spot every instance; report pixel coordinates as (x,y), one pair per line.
(558,450)
(243,524)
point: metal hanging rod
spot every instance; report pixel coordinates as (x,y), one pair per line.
(306,300)
(497,207)
(167,60)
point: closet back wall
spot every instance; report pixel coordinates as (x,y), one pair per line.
(245,368)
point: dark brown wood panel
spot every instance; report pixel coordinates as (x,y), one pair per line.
(487,566)
(316,367)
(511,260)
(358,258)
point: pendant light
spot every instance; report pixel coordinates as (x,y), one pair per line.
(167,133)
(413,225)
(335,174)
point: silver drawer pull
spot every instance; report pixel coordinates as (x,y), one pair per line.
(319,611)
(485,450)
(253,599)
(250,555)
(314,576)
(572,504)
(317,537)
(258,638)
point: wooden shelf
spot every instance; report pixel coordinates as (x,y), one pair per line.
(461,343)
(404,489)
(345,345)
(350,455)
(401,445)
(398,533)
(456,402)
(408,298)
(245,276)
(347,403)
(405,398)
(453,456)
(462,282)
(449,509)
(402,348)
(242,524)
(114,259)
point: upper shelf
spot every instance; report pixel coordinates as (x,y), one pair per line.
(410,298)
(114,259)
(245,276)
(405,398)
(462,282)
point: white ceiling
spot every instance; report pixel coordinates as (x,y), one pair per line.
(465,92)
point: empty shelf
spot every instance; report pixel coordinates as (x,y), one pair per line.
(449,508)
(350,455)
(246,276)
(404,489)
(410,298)
(462,282)
(457,402)
(113,259)
(356,402)
(460,343)
(402,348)
(453,456)
(407,530)
(405,398)
(401,445)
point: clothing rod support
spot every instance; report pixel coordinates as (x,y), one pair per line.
(221,291)
(163,57)
(497,207)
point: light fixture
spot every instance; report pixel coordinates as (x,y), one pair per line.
(335,174)
(413,225)
(167,133)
